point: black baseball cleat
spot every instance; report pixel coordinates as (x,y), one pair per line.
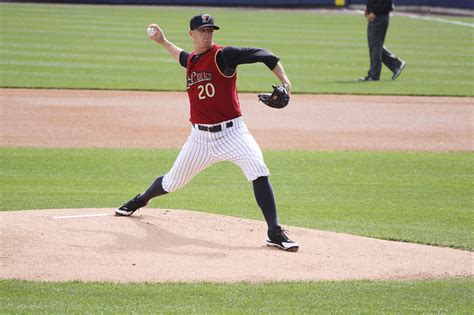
(130,207)
(278,238)
(399,70)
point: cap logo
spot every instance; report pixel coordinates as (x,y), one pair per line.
(205,18)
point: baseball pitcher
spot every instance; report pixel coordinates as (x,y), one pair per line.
(218,132)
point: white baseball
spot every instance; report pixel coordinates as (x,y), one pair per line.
(151,31)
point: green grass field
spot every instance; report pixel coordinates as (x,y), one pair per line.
(414,197)
(103,47)
(353,297)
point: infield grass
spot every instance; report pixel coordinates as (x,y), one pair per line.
(106,47)
(415,197)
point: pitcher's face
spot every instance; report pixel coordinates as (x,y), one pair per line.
(202,37)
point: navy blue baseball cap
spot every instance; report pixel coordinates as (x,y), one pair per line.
(202,20)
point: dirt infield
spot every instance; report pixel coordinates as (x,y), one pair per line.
(159,245)
(68,118)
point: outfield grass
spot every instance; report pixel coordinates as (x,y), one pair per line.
(416,197)
(106,47)
(352,297)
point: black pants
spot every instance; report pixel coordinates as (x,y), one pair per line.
(379,54)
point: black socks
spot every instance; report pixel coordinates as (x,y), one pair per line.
(266,201)
(155,190)
(262,189)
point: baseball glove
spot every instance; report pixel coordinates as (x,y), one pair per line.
(278,99)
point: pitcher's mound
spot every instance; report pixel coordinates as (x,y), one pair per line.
(158,245)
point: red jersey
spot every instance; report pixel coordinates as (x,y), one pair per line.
(212,95)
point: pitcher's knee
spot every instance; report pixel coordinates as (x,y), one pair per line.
(171,184)
(254,175)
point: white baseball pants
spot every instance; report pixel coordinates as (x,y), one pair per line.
(204,148)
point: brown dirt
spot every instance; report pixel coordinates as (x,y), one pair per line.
(71,118)
(177,245)
(160,245)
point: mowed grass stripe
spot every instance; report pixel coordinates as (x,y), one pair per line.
(86,52)
(76,56)
(314,48)
(349,297)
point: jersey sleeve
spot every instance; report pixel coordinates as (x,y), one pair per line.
(183,58)
(233,56)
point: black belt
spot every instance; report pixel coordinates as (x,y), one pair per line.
(215,128)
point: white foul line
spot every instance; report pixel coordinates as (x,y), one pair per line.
(440,20)
(81,216)
(429,18)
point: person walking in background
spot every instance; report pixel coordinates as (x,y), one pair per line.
(377,13)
